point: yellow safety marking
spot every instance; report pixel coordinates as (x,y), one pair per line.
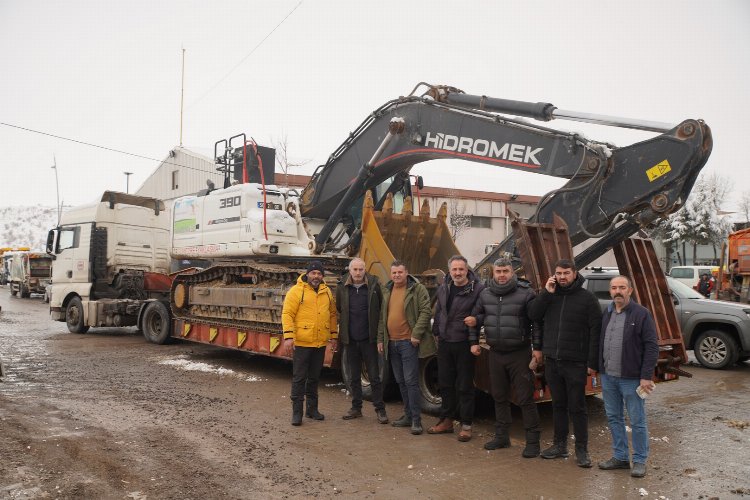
(241,338)
(186,329)
(658,170)
(212,333)
(275,343)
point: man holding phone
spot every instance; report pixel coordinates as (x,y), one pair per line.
(570,350)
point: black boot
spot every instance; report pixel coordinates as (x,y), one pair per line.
(313,413)
(532,445)
(501,440)
(296,412)
(557,450)
(583,459)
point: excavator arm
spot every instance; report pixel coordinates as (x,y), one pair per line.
(611,191)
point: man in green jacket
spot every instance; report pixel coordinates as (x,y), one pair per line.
(404,336)
(358,300)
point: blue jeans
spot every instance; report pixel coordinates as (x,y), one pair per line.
(618,394)
(405,362)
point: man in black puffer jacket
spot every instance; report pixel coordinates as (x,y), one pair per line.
(502,309)
(570,345)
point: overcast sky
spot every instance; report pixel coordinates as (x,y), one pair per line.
(109,72)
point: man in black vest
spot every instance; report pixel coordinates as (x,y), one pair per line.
(358,301)
(570,345)
(502,309)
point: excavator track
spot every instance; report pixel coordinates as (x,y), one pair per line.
(248,295)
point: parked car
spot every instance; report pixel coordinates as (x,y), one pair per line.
(717,332)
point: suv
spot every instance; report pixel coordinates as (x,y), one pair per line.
(717,332)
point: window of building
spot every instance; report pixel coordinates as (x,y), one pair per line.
(175,179)
(480,221)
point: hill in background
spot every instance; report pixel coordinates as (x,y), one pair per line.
(26,226)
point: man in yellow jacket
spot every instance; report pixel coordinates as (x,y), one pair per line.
(309,322)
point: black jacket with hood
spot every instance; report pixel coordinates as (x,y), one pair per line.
(572,321)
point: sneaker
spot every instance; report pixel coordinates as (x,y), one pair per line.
(416,428)
(352,413)
(403,421)
(382,416)
(614,463)
(465,434)
(444,426)
(639,470)
(583,459)
(499,441)
(556,451)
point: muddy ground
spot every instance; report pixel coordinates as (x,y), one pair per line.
(108,415)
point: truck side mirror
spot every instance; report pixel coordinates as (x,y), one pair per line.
(419,182)
(51,242)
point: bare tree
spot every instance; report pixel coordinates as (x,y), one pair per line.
(282,158)
(744,206)
(458,220)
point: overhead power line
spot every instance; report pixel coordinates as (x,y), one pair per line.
(102,147)
(221,80)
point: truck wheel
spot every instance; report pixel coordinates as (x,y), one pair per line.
(346,375)
(156,323)
(13,291)
(74,316)
(25,293)
(716,349)
(428,385)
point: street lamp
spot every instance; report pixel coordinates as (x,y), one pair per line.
(57,189)
(127,181)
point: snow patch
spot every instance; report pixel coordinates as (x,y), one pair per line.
(194,366)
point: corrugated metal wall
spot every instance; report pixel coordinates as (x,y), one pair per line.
(192,171)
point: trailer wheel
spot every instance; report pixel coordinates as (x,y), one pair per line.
(156,323)
(716,349)
(74,316)
(428,385)
(383,370)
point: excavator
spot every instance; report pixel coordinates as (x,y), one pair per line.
(259,237)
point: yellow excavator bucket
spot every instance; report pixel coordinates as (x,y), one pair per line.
(423,243)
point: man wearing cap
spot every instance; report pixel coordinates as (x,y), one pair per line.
(308,319)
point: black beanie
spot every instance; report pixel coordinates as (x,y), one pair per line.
(315,265)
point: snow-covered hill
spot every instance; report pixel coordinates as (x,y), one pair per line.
(26,226)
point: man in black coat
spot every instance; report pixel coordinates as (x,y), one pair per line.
(455,300)
(570,345)
(502,309)
(358,301)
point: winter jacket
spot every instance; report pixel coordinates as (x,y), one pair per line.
(504,315)
(572,321)
(449,325)
(640,349)
(309,317)
(374,300)
(418,311)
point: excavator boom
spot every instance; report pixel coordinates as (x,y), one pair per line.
(610,194)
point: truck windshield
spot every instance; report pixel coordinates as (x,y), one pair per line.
(40,268)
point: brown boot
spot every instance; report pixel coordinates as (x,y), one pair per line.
(444,426)
(465,434)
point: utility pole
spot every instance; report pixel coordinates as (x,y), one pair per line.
(57,188)
(127,181)
(182,93)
